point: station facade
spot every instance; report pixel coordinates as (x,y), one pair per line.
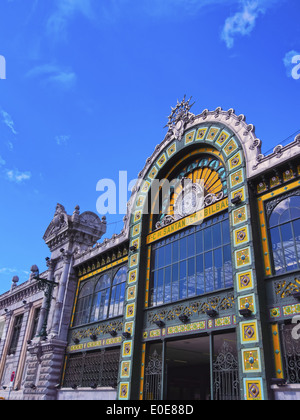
(197,298)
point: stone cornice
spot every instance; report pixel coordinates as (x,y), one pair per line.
(19,293)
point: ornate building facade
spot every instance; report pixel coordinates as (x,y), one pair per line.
(197,298)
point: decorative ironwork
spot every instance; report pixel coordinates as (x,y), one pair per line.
(270,205)
(153,377)
(226,375)
(291,351)
(286,288)
(195,308)
(94,369)
(97,330)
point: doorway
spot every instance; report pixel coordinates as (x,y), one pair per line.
(188,369)
(193,368)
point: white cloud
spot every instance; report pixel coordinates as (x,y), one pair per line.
(13,271)
(2,161)
(66,10)
(243,22)
(6,270)
(8,121)
(16,176)
(62,140)
(53,74)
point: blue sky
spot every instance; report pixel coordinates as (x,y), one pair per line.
(89,85)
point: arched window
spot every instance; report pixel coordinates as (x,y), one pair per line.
(118,293)
(101,299)
(284,225)
(196,260)
(84,302)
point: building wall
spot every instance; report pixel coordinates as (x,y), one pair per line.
(22,300)
(61,364)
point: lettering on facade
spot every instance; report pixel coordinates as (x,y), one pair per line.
(188,221)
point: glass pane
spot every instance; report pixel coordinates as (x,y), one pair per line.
(288,247)
(175,255)
(295,207)
(183,248)
(285,216)
(227,266)
(295,213)
(95,308)
(168,285)
(199,242)
(295,202)
(103,283)
(154,288)
(208,238)
(209,272)
(274,219)
(120,277)
(86,307)
(103,305)
(296,227)
(168,254)
(87,289)
(154,258)
(182,280)
(122,298)
(160,287)
(217,237)
(218,263)
(191,278)
(226,232)
(191,245)
(112,301)
(175,283)
(200,275)
(161,257)
(278,257)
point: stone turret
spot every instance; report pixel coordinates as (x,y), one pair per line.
(66,236)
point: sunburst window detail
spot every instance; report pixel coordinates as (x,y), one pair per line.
(196,185)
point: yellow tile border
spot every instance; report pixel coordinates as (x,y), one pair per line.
(277,351)
(102,269)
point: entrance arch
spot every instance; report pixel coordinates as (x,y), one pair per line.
(233,143)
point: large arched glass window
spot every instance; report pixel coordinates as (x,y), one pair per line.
(284,225)
(197,260)
(118,293)
(101,297)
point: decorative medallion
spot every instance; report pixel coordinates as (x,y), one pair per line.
(190,200)
(197,185)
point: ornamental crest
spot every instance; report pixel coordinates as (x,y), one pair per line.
(180,117)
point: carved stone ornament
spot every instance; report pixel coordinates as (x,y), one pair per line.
(59,221)
(180,117)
